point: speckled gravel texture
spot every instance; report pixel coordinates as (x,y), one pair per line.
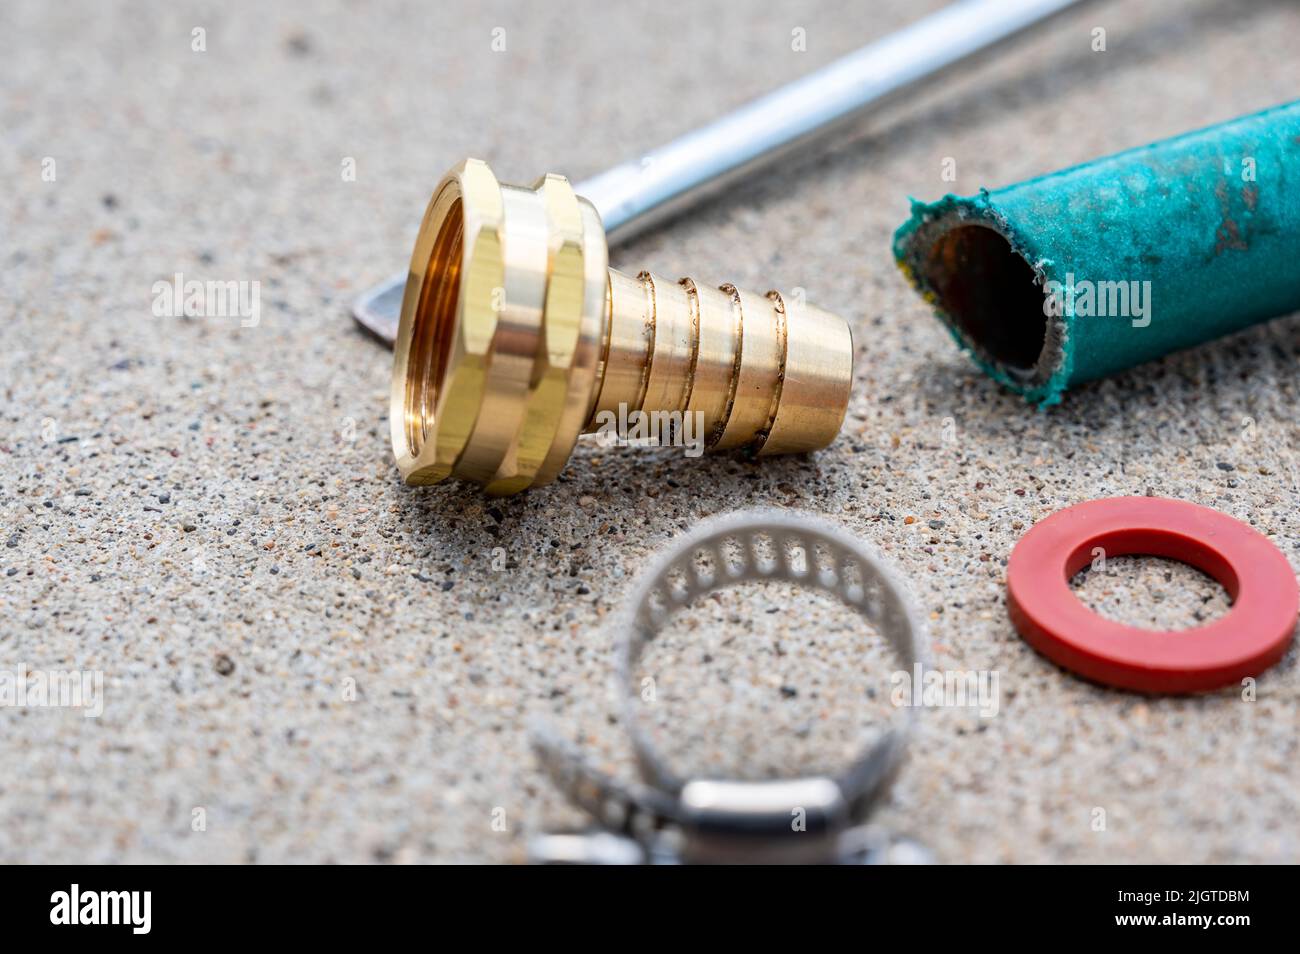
(210,515)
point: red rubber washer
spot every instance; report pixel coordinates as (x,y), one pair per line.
(1252,636)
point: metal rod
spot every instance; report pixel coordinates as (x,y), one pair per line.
(637,194)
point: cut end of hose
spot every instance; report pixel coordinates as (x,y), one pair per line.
(988,292)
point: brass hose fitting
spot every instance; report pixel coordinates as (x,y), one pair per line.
(516,337)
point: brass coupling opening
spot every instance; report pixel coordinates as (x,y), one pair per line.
(516,337)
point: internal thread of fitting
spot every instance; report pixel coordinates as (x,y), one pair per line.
(724,356)
(515,336)
(431,336)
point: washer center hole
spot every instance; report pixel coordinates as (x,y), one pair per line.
(1150,592)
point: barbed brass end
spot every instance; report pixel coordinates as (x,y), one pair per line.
(516,336)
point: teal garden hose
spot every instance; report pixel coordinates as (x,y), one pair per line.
(1084,272)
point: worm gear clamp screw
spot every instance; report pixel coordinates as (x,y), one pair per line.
(515,337)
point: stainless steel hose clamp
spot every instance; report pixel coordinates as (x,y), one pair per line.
(665,818)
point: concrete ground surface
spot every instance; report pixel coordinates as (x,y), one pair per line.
(306,661)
